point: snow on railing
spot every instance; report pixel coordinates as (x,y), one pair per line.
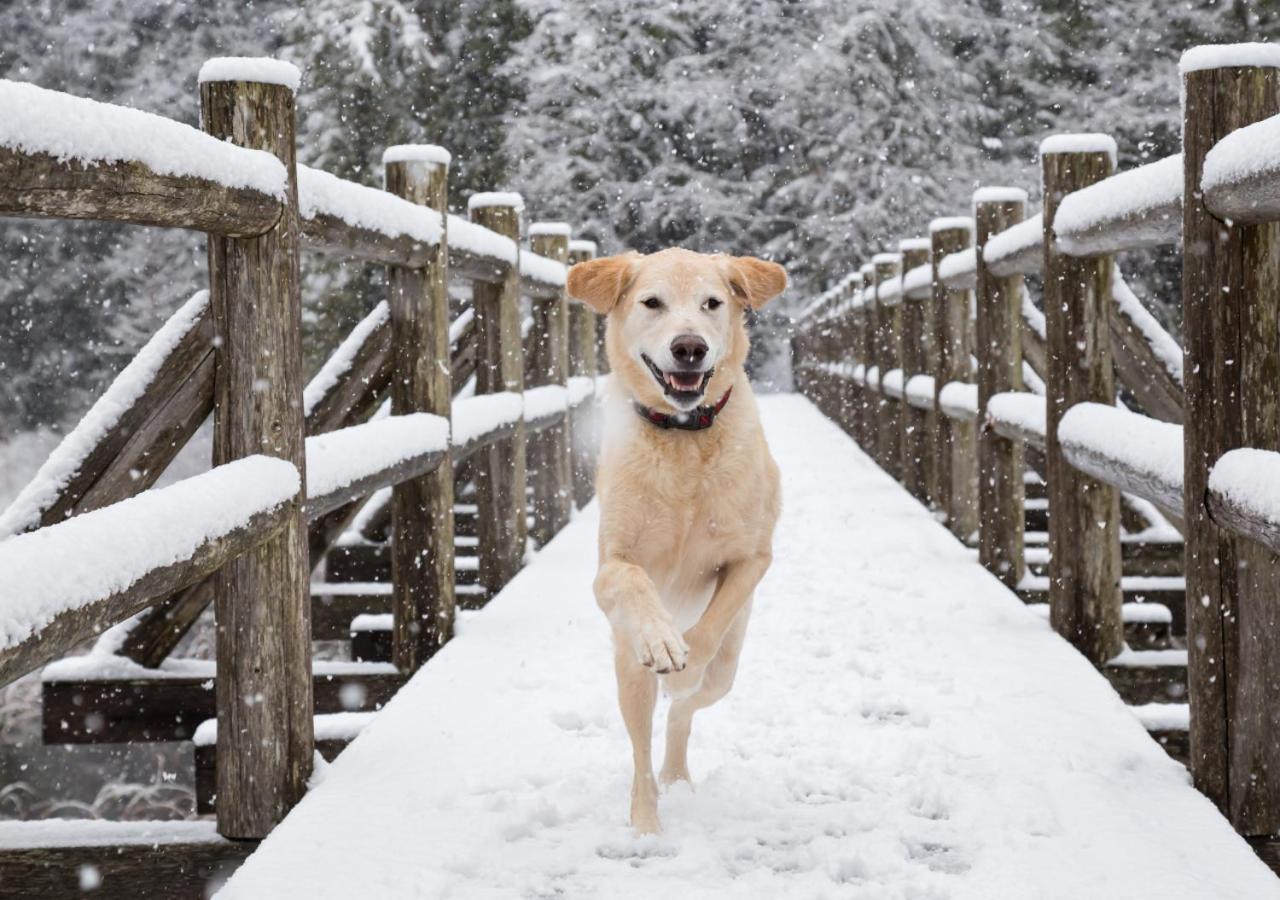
(959,400)
(1244,494)
(373,209)
(918,282)
(1017,249)
(353,462)
(1241,176)
(1136,208)
(919,391)
(1019,416)
(959,270)
(342,359)
(1133,452)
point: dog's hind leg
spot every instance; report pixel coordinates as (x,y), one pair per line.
(716,683)
(637,695)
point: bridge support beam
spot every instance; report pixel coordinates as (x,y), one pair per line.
(422,568)
(265,731)
(1084,513)
(1231,314)
(999,350)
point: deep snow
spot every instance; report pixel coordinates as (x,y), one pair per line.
(902,727)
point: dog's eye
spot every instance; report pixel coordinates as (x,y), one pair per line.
(714,303)
(651,303)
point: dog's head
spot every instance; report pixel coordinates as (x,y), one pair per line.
(676,318)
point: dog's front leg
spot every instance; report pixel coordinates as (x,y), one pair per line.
(645,640)
(734,587)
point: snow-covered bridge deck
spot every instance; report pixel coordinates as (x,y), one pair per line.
(902,726)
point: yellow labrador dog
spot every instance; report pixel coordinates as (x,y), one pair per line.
(689,494)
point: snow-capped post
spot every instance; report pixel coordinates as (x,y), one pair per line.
(888,268)
(1084,520)
(917,462)
(952,442)
(848,353)
(262,604)
(499,469)
(550,465)
(583,364)
(422,568)
(868,407)
(998,346)
(1231,305)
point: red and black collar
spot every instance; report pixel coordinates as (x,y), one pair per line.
(695,420)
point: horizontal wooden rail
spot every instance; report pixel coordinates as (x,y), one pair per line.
(1135,453)
(1241,496)
(1018,250)
(1241,178)
(82,576)
(959,400)
(1130,210)
(1018,416)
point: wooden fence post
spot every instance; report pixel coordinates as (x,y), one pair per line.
(999,352)
(583,364)
(500,470)
(262,603)
(857,355)
(1084,513)
(917,339)
(1231,310)
(550,466)
(952,442)
(422,566)
(889,354)
(869,409)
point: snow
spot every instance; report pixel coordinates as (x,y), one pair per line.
(580,388)
(97,554)
(472,238)
(891,383)
(1139,442)
(918,279)
(947,223)
(583,246)
(373,622)
(886,259)
(424,153)
(98,666)
(339,458)
(342,359)
(920,391)
(546,400)
(36,120)
(1032,316)
(342,726)
(1162,344)
(1250,479)
(1133,194)
(1020,409)
(550,229)
(34,835)
(999,195)
(1079,143)
(1035,384)
(1246,152)
(911,244)
(1026,234)
(1141,659)
(261,70)
(474,417)
(1163,716)
(485,199)
(955,266)
(459,325)
(320,193)
(902,726)
(1221,56)
(889,291)
(539,268)
(873,378)
(959,400)
(64,462)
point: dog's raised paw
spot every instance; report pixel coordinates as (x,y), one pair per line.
(659,646)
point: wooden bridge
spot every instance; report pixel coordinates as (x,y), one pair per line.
(448,431)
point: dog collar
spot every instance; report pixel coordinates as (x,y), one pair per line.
(695,420)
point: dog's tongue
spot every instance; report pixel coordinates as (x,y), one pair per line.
(684,381)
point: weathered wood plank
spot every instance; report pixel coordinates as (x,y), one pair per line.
(953,441)
(998,348)
(37,185)
(889,413)
(550,470)
(917,343)
(583,364)
(499,471)
(421,507)
(1084,530)
(261,599)
(1231,309)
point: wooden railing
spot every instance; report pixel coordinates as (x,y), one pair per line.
(89,546)
(1205,451)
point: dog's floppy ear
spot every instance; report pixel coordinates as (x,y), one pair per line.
(756,281)
(600,282)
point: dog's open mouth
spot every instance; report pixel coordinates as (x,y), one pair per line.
(686,388)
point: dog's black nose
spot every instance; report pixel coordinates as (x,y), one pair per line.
(689,350)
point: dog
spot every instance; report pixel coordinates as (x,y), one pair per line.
(689,494)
